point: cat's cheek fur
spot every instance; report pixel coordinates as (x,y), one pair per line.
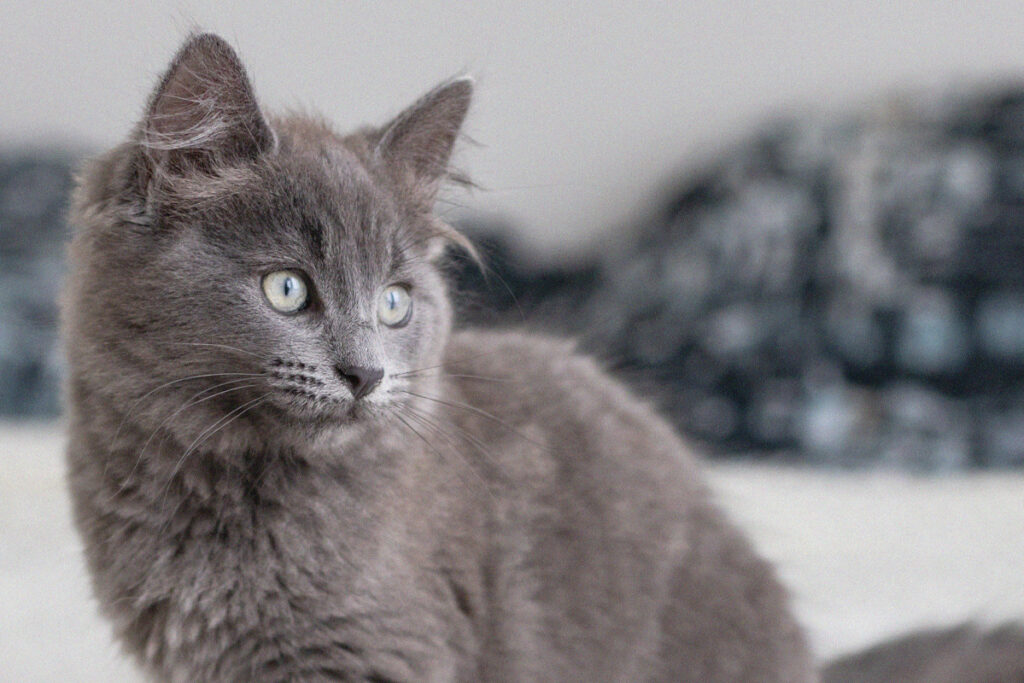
(418,347)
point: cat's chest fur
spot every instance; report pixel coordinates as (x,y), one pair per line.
(287,571)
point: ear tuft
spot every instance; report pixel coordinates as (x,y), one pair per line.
(204,111)
(419,141)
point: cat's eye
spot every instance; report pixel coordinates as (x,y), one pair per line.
(286,290)
(394,307)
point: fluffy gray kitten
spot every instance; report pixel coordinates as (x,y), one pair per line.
(286,467)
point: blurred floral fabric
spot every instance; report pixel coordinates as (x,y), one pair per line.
(34,191)
(841,290)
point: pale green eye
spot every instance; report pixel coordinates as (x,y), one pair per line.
(286,290)
(395,306)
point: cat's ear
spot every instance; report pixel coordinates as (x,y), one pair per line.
(203,113)
(418,142)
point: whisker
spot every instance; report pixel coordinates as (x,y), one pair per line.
(234,414)
(438,452)
(488,271)
(436,429)
(422,419)
(416,432)
(464,433)
(227,419)
(219,424)
(188,404)
(422,373)
(149,393)
(418,370)
(452,363)
(473,409)
(218,346)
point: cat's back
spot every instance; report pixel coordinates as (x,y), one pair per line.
(606,529)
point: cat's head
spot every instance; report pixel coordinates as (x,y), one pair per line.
(228,263)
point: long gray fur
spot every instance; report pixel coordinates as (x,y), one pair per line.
(498,509)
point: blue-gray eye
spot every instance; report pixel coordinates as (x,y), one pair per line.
(286,290)
(395,306)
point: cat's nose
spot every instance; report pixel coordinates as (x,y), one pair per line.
(360,380)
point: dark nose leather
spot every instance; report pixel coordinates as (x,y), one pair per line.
(360,380)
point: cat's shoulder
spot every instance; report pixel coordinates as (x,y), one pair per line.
(534,377)
(554,416)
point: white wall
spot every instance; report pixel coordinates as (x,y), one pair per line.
(583,109)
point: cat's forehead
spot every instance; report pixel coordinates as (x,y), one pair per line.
(320,184)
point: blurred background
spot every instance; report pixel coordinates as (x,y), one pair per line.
(798,227)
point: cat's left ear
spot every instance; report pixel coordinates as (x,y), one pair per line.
(418,142)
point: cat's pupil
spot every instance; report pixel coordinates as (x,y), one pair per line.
(392,300)
(288,286)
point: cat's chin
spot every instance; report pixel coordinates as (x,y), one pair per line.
(329,434)
(333,416)
(318,433)
(358,413)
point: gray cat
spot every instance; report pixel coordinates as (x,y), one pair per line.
(285,466)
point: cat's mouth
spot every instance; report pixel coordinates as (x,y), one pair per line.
(304,393)
(320,407)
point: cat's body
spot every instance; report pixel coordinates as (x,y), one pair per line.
(324,492)
(541,554)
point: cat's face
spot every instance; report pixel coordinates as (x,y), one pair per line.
(312,269)
(291,273)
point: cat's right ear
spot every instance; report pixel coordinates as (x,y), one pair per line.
(203,114)
(418,142)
